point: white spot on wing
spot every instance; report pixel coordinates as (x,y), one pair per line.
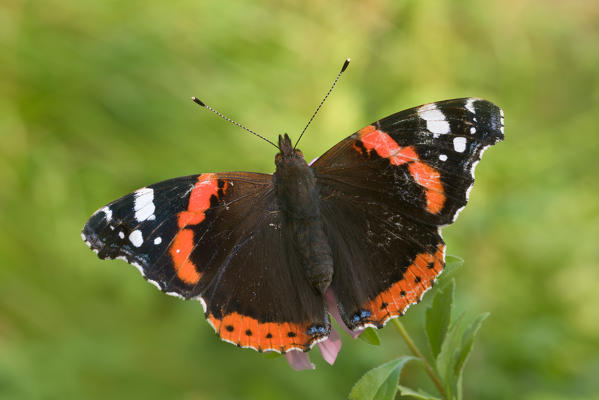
(106,210)
(459,144)
(121,235)
(143,205)
(470,105)
(435,120)
(473,130)
(136,238)
(443,157)
(158,240)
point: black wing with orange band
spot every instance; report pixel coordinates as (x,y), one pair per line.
(217,238)
(386,191)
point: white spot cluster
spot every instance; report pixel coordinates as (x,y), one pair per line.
(136,238)
(143,204)
(436,122)
(459,144)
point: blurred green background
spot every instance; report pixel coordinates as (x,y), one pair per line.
(95,104)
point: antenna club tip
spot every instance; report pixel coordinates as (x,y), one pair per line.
(345,64)
(198,101)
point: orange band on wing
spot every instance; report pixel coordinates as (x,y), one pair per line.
(199,200)
(184,243)
(418,278)
(424,175)
(180,252)
(429,178)
(246,331)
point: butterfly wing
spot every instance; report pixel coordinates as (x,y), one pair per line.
(217,238)
(386,191)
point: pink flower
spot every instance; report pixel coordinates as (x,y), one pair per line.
(330,347)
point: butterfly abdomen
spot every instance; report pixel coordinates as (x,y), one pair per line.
(298,202)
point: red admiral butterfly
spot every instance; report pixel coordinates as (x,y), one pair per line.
(259,251)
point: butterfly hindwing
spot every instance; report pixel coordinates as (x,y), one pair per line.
(217,238)
(386,191)
(384,261)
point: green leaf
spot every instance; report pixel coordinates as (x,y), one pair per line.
(438,317)
(380,383)
(452,266)
(370,336)
(420,394)
(464,352)
(447,356)
(452,262)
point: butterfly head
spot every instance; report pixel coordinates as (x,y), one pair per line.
(287,150)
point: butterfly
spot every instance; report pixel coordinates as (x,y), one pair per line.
(260,251)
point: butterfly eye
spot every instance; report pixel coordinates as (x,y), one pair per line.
(278,158)
(299,153)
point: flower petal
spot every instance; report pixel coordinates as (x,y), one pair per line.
(330,347)
(331,303)
(298,360)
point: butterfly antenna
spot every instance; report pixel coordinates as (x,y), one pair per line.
(345,64)
(201,103)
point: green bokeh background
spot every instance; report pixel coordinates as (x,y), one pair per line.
(95,103)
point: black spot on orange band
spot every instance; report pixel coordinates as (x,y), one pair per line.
(246,331)
(417,278)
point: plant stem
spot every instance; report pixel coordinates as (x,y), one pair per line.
(427,367)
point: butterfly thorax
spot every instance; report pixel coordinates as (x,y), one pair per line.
(298,201)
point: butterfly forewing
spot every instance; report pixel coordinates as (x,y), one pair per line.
(424,156)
